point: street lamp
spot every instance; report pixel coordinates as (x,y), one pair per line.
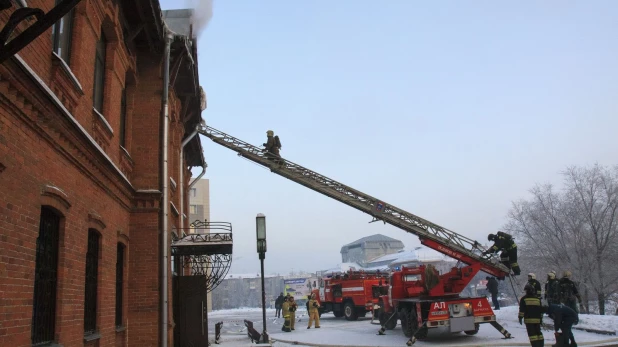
(260,231)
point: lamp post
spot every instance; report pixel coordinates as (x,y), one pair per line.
(260,230)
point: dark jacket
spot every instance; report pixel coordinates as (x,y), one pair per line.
(530,309)
(568,291)
(562,314)
(492,285)
(552,291)
(279,301)
(537,286)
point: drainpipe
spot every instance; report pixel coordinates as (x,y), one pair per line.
(182,173)
(165,182)
(200,175)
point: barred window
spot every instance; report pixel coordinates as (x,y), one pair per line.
(119,282)
(92,279)
(45,278)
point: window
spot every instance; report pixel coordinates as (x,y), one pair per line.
(193,192)
(61,35)
(123,117)
(99,74)
(193,209)
(119,282)
(45,278)
(92,279)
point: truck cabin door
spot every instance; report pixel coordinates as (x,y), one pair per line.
(322,294)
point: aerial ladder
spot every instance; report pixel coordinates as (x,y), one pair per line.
(432,235)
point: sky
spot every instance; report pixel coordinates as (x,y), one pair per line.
(449,110)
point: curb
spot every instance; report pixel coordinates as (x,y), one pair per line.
(311,344)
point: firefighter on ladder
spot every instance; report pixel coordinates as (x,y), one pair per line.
(273,145)
(508,256)
(531,312)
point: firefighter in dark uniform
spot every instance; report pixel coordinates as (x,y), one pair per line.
(271,145)
(552,289)
(564,318)
(508,256)
(535,284)
(569,292)
(531,312)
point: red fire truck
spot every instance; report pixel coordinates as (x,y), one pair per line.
(351,294)
(419,297)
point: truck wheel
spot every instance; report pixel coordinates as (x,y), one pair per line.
(350,311)
(338,314)
(408,323)
(473,332)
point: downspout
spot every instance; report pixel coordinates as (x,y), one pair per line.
(164,189)
(200,175)
(182,175)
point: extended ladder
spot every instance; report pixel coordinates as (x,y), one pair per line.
(432,235)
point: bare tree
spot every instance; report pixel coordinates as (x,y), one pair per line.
(574,229)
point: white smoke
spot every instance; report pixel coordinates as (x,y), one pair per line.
(201,15)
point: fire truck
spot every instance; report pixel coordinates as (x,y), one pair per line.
(419,297)
(352,294)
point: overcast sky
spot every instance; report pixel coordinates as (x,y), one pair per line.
(449,110)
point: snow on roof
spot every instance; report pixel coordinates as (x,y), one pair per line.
(343,267)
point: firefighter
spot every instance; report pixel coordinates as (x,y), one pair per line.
(292,307)
(508,256)
(531,311)
(535,284)
(287,315)
(314,314)
(552,289)
(564,318)
(569,292)
(492,288)
(272,148)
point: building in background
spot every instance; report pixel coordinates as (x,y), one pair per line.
(199,201)
(363,250)
(245,290)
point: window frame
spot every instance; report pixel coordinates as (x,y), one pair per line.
(64,24)
(120,261)
(122,135)
(98,84)
(91,282)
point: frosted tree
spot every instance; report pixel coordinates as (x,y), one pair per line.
(574,228)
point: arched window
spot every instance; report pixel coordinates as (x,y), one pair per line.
(92,280)
(45,278)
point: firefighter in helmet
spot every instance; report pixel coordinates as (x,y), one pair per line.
(535,284)
(552,289)
(314,313)
(508,256)
(287,315)
(531,312)
(569,292)
(272,145)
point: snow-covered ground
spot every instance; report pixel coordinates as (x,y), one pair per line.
(340,332)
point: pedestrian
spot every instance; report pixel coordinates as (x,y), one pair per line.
(531,311)
(535,284)
(569,292)
(278,305)
(506,244)
(564,317)
(314,313)
(552,289)
(492,288)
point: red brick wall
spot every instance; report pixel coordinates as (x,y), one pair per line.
(40,146)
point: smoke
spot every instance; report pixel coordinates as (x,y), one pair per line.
(201,15)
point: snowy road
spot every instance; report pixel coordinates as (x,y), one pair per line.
(339,332)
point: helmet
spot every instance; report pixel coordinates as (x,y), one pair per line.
(551,275)
(491,237)
(531,275)
(529,289)
(566,274)
(270,133)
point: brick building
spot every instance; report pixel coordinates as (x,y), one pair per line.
(85,188)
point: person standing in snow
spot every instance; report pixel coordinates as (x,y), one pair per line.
(569,292)
(314,314)
(278,305)
(535,284)
(552,289)
(492,288)
(531,312)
